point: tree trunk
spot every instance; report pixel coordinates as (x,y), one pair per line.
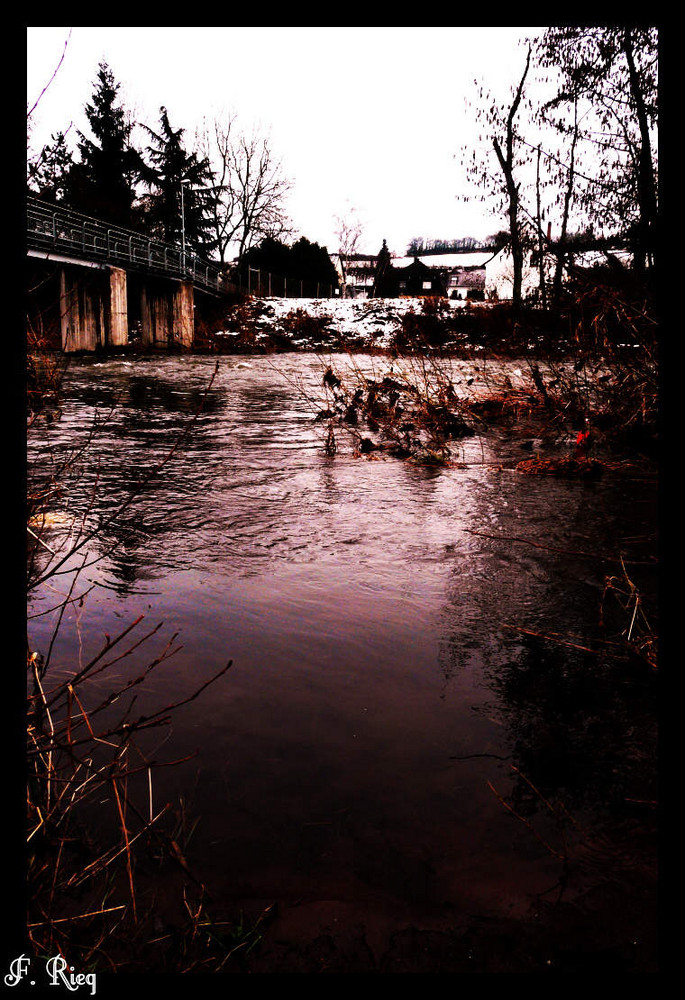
(646,186)
(506,162)
(559,268)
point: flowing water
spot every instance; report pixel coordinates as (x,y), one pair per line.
(389,696)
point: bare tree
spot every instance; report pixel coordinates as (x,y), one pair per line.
(506,161)
(606,86)
(500,133)
(43,160)
(349,230)
(29,111)
(249,186)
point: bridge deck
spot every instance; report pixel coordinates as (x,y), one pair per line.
(52,230)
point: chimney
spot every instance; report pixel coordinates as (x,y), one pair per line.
(549,231)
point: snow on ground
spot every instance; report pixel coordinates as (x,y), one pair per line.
(371,320)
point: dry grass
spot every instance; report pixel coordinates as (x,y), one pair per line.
(90,751)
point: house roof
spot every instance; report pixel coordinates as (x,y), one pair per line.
(590,258)
(355,257)
(447,260)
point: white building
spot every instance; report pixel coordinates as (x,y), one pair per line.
(499,271)
(356,272)
(499,275)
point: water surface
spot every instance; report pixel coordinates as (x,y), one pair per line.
(380,617)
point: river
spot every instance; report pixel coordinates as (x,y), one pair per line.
(394,746)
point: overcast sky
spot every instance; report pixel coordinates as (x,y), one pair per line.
(370,119)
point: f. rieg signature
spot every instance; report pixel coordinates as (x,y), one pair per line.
(58,973)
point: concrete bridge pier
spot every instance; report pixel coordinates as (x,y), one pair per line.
(167,313)
(93,308)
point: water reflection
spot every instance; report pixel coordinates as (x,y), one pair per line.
(579,713)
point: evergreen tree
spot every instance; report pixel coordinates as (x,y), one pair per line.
(48,174)
(311,262)
(304,260)
(383,272)
(177,207)
(103,182)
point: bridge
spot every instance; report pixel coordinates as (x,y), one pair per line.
(112,279)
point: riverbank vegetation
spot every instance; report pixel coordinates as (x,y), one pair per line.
(589,371)
(99,841)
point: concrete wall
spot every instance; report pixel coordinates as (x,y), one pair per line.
(184,314)
(167,313)
(94,310)
(118,308)
(84,300)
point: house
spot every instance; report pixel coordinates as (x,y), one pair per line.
(356,272)
(499,271)
(466,283)
(474,275)
(468,276)
(462,275)
(415,279)
(455,275)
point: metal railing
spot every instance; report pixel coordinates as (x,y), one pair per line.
(255,281)
(59,230)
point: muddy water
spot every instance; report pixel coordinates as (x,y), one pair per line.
(387,699)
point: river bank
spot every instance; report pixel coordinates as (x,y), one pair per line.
(375,325)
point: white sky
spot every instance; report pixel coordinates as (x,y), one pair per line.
(364,118)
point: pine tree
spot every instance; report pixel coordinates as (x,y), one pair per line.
(48,174)
(179,201)
(102,183)
(383,272)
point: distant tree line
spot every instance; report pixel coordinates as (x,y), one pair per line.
(419,246)
(223,196)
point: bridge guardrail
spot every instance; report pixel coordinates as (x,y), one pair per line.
(51,228)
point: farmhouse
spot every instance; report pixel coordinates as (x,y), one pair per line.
(459,276)
(414,279)
(356,273)
(499,270)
